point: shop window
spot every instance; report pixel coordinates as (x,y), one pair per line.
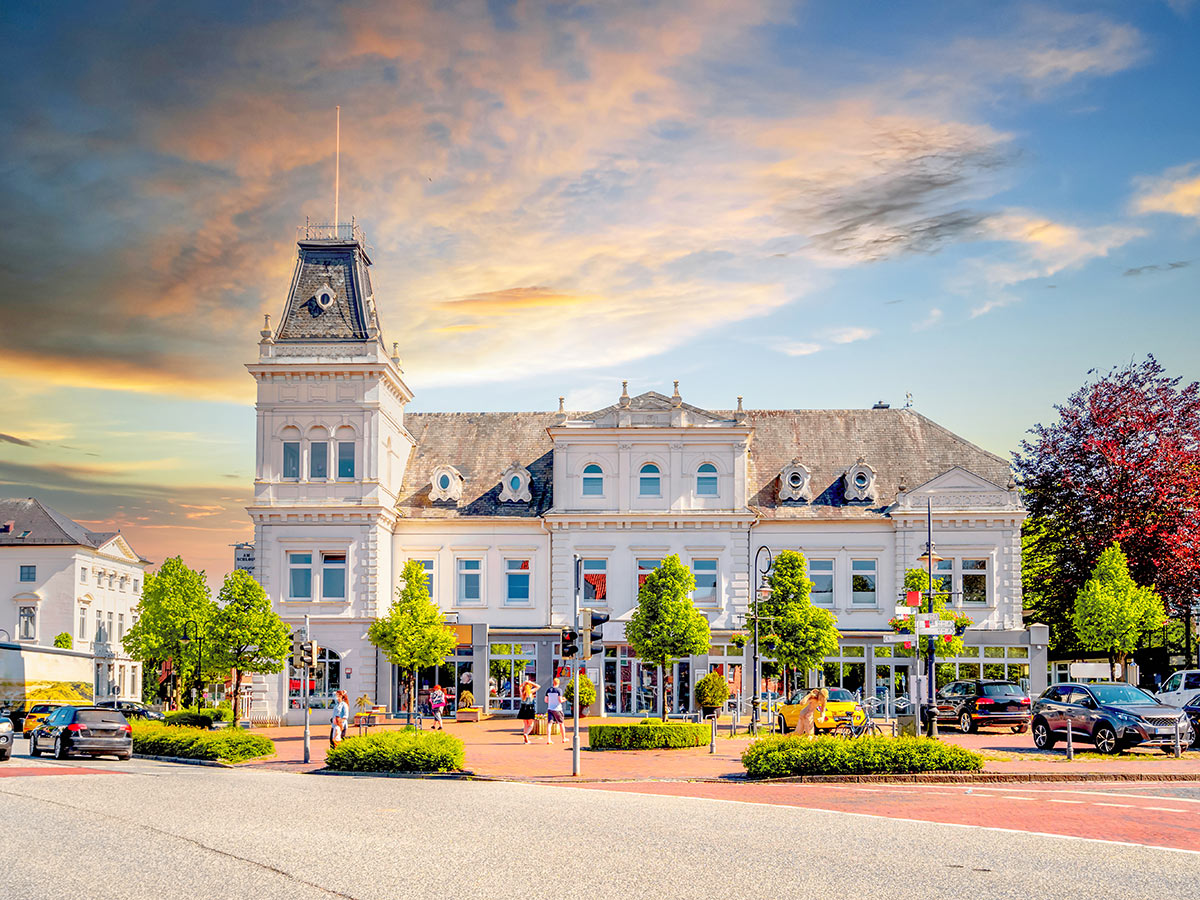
(649,481)
(706,481)
(516,578)
(291,460)
(333,576)
(470,582)
(820,572)
(323,679)
(593,481)
(595,582)
(705,573)
(27,623)
(28,573)
(862,579)
(300,576)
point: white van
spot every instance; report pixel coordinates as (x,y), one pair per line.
(1180,687)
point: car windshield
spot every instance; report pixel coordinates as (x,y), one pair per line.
(840,695)
(1002,690)
(41,708)
(1120,693)
(99,716)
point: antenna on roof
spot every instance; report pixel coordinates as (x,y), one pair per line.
(907,399)
(337,167)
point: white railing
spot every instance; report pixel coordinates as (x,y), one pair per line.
(331,231)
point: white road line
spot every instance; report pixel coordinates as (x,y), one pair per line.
(1162,809)
(1015,797)
(1098,793)
(1057,800)
(1121,805)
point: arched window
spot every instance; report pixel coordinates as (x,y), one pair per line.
(324,678)
(706,480)
(593,481)
(649,481)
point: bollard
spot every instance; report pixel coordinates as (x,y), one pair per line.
(712,741)
(1070,742)
(1178,749)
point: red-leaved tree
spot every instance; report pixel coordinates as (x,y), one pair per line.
(1121,464)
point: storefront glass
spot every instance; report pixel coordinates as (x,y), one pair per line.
(508,666)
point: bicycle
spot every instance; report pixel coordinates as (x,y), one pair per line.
(868,726)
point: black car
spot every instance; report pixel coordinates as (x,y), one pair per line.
(7,735)
(83,729)
(973,704)
(1192,711)
(1110,715)
(133,710)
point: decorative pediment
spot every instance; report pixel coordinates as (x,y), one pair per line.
(795,482)
(118,548)
(446,484)
(859,482)
(653,410)
(514,485)
(958,488)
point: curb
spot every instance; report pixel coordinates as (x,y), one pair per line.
(186,762)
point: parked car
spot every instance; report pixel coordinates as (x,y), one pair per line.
(1180,688)
(35,715)
(6,738)
(1192,711)
(974,704)
(840,709)
(83,729)
(133,709)
(1110,715)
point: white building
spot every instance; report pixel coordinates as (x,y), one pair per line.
(349,486)
(58,577)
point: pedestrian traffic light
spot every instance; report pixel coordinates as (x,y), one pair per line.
(297,650)
(592,635)
(309,654)
(570,643)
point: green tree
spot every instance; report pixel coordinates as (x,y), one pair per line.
(1112,612)
(918,580)
(175,599)
(666,626)
(587,691)
(63,641)
(247,635)
(798,634)
(413,635)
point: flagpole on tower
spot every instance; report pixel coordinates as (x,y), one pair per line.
(337,168)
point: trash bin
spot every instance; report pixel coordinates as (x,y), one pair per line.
(906,724)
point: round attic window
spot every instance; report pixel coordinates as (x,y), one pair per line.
(444,481)
(796,479)
(861,479)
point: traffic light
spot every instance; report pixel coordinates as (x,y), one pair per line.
(297,650)
(570,643)
(309,654)
(592,635)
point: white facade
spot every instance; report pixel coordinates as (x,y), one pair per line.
(497,506)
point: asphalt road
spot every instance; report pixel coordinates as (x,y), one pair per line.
(103,829)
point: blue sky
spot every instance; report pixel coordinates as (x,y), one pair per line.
(810,205)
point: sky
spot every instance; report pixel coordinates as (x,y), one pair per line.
(812,205)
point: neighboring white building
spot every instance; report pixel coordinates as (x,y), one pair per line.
(57,576)
(349,486)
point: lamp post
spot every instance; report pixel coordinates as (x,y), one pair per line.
(763,560)
(929,557)
(190,628)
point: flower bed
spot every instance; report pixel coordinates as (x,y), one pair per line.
(407,750)
(230,745)
(649,734)
(778,757)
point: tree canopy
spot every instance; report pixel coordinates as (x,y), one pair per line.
(1112,612)
(796,633)
(247,635)
(666,626)
(1121,464)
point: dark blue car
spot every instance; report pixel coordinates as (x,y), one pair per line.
(1109,715)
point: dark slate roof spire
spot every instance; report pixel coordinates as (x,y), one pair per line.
(330,297)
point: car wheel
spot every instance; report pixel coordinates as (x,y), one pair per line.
(33,750)
(1043,737)
(965,723)
(60,752)
(123,757)
(781,722)
(1105,739)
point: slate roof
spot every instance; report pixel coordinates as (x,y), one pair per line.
(342,267)
(46,526)
(901,445)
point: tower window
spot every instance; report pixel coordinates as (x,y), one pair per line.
(593,481)
(649,481)
(345,459)
(706,480)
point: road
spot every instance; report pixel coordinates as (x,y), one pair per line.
(103,829)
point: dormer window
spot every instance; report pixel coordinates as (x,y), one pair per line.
(593,481)
(447,484)
(514,485)
(649,481)
(859,482)
(795,482)
(706,481)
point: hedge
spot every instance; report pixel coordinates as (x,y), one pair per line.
(228,745)
(188,718)
(779,756)
(649,734)
(407,750)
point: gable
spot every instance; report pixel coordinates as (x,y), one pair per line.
(117,547)
(958,488)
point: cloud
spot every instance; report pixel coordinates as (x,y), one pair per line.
(10,439)
(934,317)
(1159,267)
(1176,191)
(850,334)
(797,348)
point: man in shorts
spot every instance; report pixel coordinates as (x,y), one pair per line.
(554,712)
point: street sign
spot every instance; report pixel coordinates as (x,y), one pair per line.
(912,598)
(904,610)
(896,638)
(935,627)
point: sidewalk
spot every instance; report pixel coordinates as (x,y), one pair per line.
(494,749)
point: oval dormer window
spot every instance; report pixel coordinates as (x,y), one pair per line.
(861,480)
(515,482)
(444,482)
(796,480)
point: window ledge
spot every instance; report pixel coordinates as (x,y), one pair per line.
(302,602)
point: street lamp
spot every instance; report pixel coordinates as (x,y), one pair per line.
(763,560)
(192,631)
(929,557)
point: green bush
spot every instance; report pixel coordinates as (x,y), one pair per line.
(190,718)
(228,745)
(587,690)
(649,734)
(778,756)
(407,750)
(63,641)
(712,690)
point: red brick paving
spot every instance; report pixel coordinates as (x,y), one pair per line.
(7,771)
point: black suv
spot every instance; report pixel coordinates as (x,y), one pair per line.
(133,709)
(973,704)
(1111,715)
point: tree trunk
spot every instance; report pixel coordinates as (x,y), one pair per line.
(237,692)
(412,696)
(662,694)
(1112,667)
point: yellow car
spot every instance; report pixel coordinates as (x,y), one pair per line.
(840,709)
(37,714)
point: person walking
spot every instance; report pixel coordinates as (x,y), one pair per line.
(554,713)
(437,702)
(341,714)
(526,713)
